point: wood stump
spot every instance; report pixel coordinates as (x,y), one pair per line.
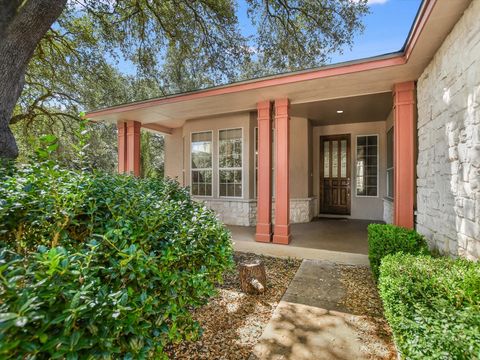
(253,279)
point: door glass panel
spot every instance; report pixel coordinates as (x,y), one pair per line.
(335,159)
(343,158)
(326,159)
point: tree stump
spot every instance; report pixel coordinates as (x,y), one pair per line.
(253,279)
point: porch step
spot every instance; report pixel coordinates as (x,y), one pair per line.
(300,252)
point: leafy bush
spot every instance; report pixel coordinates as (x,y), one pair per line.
(101,266)
(389,239)
(432,305)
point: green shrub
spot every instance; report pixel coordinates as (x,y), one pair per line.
(432,305)
(389,239)
(101,266)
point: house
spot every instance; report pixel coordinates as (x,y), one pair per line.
(394,137)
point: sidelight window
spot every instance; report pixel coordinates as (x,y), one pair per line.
(367,166)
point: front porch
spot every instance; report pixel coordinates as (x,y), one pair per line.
(339,240)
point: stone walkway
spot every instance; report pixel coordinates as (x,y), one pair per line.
(310,322)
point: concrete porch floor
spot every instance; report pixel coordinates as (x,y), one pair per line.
(337,240)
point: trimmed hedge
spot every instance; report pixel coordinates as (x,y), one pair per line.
(432,306)
(389,239)
(102,266)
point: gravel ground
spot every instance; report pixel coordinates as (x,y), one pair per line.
(361,298)
(233,321)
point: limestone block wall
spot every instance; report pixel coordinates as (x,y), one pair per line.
(301,210)
(448,170)
(388,211)
(244,212)
(234,212)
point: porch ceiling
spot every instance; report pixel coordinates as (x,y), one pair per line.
(365,108)
(347,80)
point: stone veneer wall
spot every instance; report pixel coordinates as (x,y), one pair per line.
(388,211)
(302,210)
(448,169)
(244,212)
(233,211)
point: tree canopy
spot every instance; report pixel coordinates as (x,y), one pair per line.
(69,62)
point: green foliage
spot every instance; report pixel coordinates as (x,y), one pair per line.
(101,266)
(389,239)
(432,305)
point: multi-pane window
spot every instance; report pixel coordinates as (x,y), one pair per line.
(367,165)
(390,169)
(230,162)
(201,155)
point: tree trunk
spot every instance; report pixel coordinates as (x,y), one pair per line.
(22,26)
(253,279)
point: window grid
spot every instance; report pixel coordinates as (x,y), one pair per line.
(367,166)
(230,173)
(201,163)
(390,167)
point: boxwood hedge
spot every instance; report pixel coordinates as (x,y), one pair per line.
(432,306)
(101,266)
(389,239)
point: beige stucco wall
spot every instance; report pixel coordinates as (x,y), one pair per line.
(242,211)
(448,169)
(174,155)
(300,155)
(299,158)
(369,208)
(304,165)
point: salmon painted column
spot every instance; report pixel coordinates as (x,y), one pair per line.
(122,146)
(404,154)
(264,185)
(281,232)
(133,148)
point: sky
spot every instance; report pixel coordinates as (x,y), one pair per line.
(386,29)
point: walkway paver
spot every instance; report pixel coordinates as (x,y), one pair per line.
(310,323)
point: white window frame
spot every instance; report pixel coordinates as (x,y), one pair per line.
(190,163)
(218,163)
(378,165)
(387,182)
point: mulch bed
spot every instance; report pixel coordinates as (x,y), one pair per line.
(361,298)
(233,321)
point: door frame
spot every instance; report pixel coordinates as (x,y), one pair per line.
(348,136)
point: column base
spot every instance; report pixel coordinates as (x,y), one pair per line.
(264,233)
(282,235)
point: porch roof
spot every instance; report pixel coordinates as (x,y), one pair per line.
(350,79)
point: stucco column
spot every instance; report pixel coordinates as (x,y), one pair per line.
(264,180)
(404,154)
(133,148)
(122,146)
(281,232)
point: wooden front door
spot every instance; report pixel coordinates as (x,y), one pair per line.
(335,174)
